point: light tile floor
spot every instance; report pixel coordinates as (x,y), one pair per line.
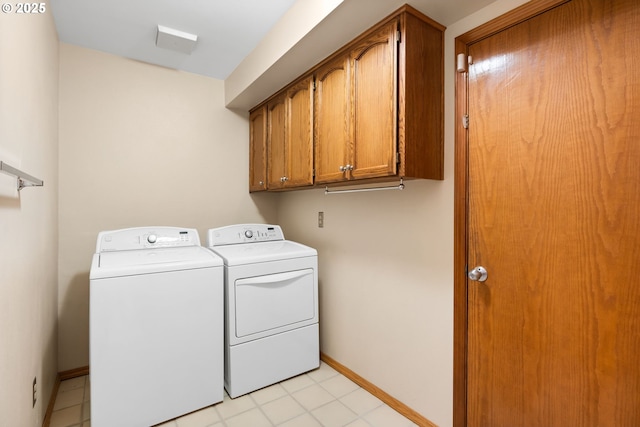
(322,397)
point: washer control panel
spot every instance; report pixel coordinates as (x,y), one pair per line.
(145,238)
(243,233)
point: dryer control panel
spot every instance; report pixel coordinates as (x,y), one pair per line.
(243,233)
(145,238)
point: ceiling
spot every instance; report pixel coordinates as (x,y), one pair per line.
(227,30)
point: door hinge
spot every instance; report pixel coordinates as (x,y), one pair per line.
(314,84)
(399,34)
(397,157)
(465,121)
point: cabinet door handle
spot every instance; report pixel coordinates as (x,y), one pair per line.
(348,168)
(261,183)
(284,179)
(342,168)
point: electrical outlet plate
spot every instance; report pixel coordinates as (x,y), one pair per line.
(320,219)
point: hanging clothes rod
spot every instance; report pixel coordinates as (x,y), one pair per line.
(361,190)
(24,179)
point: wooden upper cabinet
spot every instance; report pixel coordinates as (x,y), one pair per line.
(299,134)
(355,115)
(332,121)
(379,104)
(290,137)
(276,119)
(420,96)
(373,104)
(377,111)
(258,149)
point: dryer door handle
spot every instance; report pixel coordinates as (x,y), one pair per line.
(271,280)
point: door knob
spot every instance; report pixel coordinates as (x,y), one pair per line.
(479,274)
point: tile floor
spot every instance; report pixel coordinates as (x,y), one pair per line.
(322,397)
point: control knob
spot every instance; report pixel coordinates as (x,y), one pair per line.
(152,238)
(248,234)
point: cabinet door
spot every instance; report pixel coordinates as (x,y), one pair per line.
(374,105)
(258,150)
(332,121)
(299,134)
(276,119)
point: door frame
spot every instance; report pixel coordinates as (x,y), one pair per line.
(460,302)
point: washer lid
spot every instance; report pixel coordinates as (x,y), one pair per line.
(262,252)
(126,263)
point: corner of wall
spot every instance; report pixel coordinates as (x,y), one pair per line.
(29,218)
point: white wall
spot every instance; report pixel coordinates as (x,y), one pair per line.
(140,145)
(29,219)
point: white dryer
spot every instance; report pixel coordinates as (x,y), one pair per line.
(155,326)
(271,306)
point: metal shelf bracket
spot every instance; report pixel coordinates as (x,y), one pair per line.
(23,179)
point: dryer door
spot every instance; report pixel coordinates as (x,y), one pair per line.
(274,301)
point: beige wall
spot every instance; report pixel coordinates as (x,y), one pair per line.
(144,145)
(386,270)
(29,219)
(385,261)
(140,145)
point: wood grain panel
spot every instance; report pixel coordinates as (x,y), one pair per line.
(258,149)
(373,68)
(276,142)
(299,134)
(460,251)
(392,115)
(332,126)
(421,98)
(462,42)
(509,19)
(554,216)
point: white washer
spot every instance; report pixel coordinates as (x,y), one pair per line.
(155,326)
(271,306)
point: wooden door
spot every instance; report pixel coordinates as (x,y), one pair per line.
(554,217)
(276,142)
(332,124)
(258,149)
(374,103)
(299,134)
